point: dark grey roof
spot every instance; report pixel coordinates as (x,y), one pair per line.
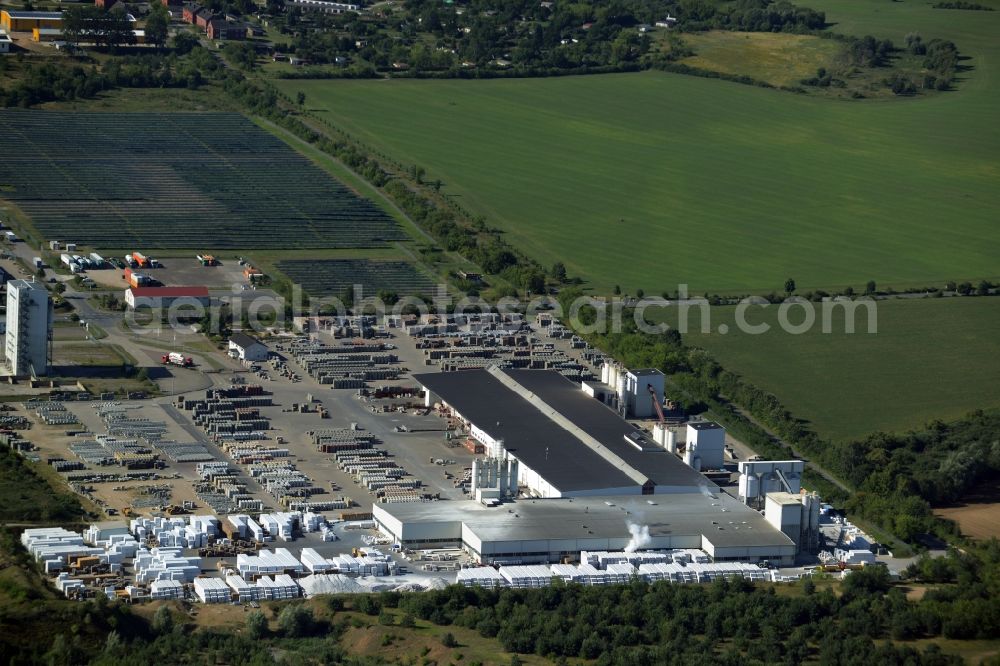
(243,340)
(705,425)
(545,446)
(645,372)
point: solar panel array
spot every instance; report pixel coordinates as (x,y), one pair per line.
(176,180)
(332,276)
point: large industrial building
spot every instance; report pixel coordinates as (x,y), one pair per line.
(548,530)
(576,476)
(566,443)
(29,328)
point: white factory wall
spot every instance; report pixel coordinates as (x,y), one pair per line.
(550,550)
(639,402)
(708,445)
(29,319)
(777,554)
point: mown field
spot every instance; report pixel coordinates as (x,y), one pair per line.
(650,180)
(930,359)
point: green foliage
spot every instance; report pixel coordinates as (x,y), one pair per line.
(242,54)
(157,24)
(256,625)
(163,620)
(296,621)
(26,496)
(91,24)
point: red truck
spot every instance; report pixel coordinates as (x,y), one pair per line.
(174,358)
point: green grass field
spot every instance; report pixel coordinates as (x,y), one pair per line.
(650,180)
(930,359)
(779,58)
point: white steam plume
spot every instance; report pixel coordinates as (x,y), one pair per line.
(640,537)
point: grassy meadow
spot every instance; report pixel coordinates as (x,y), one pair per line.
(778,58)
(649,180)
(929,359)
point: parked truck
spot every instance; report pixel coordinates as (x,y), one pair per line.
(176,358)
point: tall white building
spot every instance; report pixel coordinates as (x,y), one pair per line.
(29,324)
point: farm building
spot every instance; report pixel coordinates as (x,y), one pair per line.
(5,42)
(165,297)
(246,348)
(20,21)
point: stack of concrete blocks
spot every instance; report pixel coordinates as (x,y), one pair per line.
(136,593)
(183,532)
(244,591)
(315,562)
(281,525)
(99,534)
(68,586)
(690,555)
(54,546)
(166,589)
(373,563)
(620,572)
(165,564)
(248,528)
(854,556)
(671,572)
(279,588)
(602,558)
(566,572)
(266,562)
(591,575)
(480,577)
(326,532)
(116,541)
(311,522)
(527,576)
(212,590)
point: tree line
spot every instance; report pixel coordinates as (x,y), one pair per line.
(726,622)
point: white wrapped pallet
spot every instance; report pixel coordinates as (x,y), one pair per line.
(481,577)
(166,589)
(529,576)
(212,590)
(621,572)
(315,562)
